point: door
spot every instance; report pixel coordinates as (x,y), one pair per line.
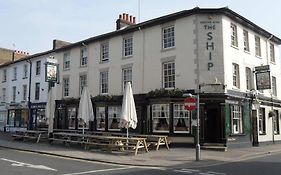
(212,125)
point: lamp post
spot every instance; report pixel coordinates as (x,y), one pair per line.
(30,119)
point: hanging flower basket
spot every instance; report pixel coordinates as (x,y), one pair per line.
(271,113)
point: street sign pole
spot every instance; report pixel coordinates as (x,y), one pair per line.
(197,130)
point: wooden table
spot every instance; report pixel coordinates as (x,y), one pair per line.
(30,134)
(102,141)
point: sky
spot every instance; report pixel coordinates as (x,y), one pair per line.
(32,25)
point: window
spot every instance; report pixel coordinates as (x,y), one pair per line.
(246,40)
(262,126)
(168,74)
(258,46)
(160,117)
(84,57)
(66,61)
(236,119)
(100,116)
(104,52)
(273,86)
(114,113)
(71,114)
(128,46)
(234,40)
(83,82)
(37,91)
(104,82)
(235,74)
(272,53)
(181,119)
(3,94)
(66,87)
(168,37)
(15,73)
(14,93)
(127,76)
(248,78)
(24,92)
(275,119)
(4,75)
(25,71)
(38,67)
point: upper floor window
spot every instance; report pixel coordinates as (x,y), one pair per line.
(104,51)
(236,119)
(258,46)
(168,37)
(272,53)
(235,75)
(66,61)
(104,82)
(128,46)
(127,76)
(3,94)
(24,92)
(84,56)
(82,82)
(248,78)
(262,126)
(25,70)
(66,87)
(38,67)
(14,93)
(15,73)
(246,40)
(37,91)
(168,74)
(273,86)
(234,39)
(4,79)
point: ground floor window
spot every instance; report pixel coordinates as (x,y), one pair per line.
(71,114)
(100,118)
(18,118)
(114,113)
(275,119)
(236,119)
(181,119)
(2,118)
(262,128)
(160,117)
(39,118)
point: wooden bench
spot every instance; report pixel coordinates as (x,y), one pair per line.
(30,135)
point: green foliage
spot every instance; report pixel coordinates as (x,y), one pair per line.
(166,93)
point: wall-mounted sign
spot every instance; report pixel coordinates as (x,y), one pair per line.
(263,77)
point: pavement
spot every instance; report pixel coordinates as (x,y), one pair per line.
(162,158)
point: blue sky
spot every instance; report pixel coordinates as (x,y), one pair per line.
(31,25)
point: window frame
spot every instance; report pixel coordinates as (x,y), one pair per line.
(66,86)
(234,36)
(168,37)
(38,67)
(257,46)
(160,111)
(83,57)
(14,93)
(128,46)
(235,75)
(246,40)
(83,81)
(37,91)
(15,73)
(236,115)
(262,121)
(274,85)
(272,52)
(4,91)
(180,112)
(127,76)
(104,82)
(4,75)
(24,92)
(275,118)
(66,60)
(25,71)
(249,78)
(169,80)
(104,50)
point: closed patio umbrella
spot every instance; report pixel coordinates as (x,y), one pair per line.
(50,110)
(128,117)
(85,111)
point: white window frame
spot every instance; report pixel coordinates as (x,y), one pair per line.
(274,85)
(180,113)
(83,57)
(25,71)
(262,121)
(127,74)
(103,82)
(246,40)
(15,73)
(66,86)
(168,74)
(24,92)
(272,52)
(37,91)
(235,75)
(104,47)
(234,38)
(82,82)
(168,37)
(160,117)
(114,112)
(275,119)
(14,93)
(4,94)
(236,119)
(128,46)
(249,78)
(66,60)
(101,118)
(257,46)
(4,75)
(38,67)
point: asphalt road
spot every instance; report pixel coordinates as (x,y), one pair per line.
(24,163)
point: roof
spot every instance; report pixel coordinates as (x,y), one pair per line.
(164,19)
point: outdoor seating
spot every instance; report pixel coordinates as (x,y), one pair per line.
(30,135)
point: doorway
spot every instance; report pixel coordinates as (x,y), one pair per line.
(212,125)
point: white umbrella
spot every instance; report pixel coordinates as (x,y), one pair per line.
(128,117)
(50,110)
(85,111)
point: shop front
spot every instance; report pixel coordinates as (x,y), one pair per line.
(17,117)
(39,119)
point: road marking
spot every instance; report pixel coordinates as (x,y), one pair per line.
(102,170)
(22,164)
(184,170)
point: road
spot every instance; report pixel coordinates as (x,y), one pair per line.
(16,162)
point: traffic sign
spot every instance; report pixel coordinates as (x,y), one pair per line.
(190,103)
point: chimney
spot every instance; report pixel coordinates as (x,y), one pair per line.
(124,21)
(18,54)
(59,43)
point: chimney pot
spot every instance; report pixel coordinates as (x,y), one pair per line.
(124,16)
(127,17)
(131,19)
(134,20)
(120,16)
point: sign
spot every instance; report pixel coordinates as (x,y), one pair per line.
(263,77)
(190,103)
(51,70)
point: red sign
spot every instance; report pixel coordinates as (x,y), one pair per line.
(190,103)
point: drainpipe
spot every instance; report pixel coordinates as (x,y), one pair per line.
(30,119)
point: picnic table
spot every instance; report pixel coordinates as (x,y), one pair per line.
(101,141)
(30,135)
